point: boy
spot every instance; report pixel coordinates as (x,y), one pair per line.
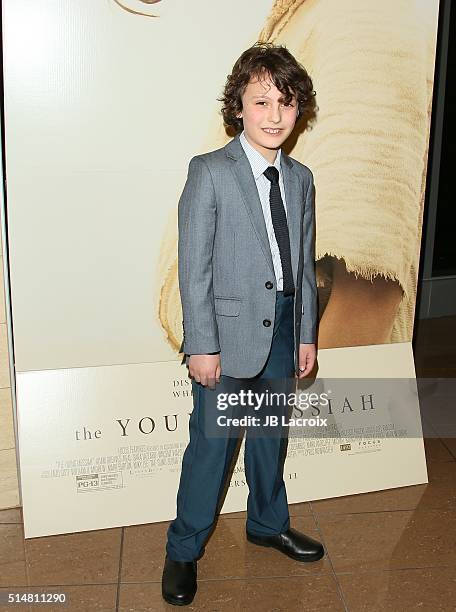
(249,301)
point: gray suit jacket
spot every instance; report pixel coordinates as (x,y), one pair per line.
(226,275)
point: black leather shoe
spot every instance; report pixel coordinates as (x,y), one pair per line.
(179,581)
(292,543)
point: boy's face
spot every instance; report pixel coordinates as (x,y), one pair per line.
(268,120)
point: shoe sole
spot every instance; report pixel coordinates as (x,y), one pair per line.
(306,559)
(177,602)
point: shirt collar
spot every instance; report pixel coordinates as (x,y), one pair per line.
(257,161)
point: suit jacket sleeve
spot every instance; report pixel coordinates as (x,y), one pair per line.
(197,213)
(309,284)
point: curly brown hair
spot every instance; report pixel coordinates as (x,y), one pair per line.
(287,74)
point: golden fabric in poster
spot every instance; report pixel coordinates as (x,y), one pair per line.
(372,66)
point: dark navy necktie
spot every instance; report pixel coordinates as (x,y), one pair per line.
(279,222)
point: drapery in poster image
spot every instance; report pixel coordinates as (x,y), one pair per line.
(372,66)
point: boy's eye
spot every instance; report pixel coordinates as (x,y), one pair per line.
(287,104)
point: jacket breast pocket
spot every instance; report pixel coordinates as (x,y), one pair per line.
(227,306)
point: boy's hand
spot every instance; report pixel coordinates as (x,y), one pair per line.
(205,369)
(307,356)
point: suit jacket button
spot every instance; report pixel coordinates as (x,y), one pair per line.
(267,323)
(268,285)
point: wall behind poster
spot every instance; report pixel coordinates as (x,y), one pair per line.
(101,121)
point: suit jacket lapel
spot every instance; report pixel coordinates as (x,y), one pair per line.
(249,192)
(294,208)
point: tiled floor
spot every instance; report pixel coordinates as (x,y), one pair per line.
(391,550)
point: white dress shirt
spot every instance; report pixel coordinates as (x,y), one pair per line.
(259,164)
